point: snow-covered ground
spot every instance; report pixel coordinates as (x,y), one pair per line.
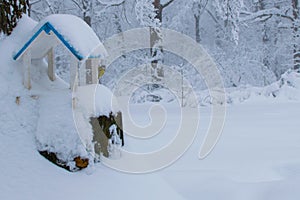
(257,156)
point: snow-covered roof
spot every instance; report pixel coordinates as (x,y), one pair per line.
(70,30)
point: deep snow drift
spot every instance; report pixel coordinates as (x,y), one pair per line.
(257,156)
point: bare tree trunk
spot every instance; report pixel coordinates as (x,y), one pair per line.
(87,6)
(198,8)
(29,7)
(155,40)
(261,5)
(197,28)
(296,50)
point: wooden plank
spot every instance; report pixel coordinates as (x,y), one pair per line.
(100,139)
(73,73)
(101,133)
(92,70)
(82,74)
(51,64)
(89,72)
(26,68)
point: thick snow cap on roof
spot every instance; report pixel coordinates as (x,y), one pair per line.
(72,31)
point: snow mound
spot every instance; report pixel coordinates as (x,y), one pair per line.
(287,88)
(96,100)
(152,93)
(23,30)
(105,101)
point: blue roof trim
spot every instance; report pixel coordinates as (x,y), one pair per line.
(47,27)
(27,43)
(67,44)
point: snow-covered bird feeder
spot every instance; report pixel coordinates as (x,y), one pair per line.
(98,125)
(98,113)
(84,46)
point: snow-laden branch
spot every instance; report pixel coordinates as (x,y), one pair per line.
(146,13)
(50,6)
(77,4)
(266,14)
(103,10)
(109,3)
(38,13)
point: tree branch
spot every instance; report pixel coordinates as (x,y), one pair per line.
(77,4)
(50,7)
(166,4)
(213,17)
(266,14)
(34,2)
(201,8)
(111,4)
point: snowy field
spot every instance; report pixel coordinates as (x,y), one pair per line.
(257,157)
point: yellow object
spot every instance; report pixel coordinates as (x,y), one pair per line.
(101,71)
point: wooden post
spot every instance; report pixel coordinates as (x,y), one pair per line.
(26,69)
(92,70)
(51,64)
(99,138)
(89,73)
(82,74)
(73,73)
(95,65)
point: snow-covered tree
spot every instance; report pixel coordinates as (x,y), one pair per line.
(251,40)
(285,18)
(198,9)
(42,8)
(10,12)
(150,14)
(229,12)
(90,9)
